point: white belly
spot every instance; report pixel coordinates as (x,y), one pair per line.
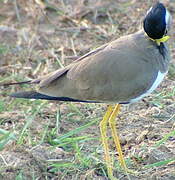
(158,80)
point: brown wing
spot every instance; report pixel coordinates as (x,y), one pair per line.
(46,80)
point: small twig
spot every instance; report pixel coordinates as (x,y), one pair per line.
(172,117)
(69,29)
(17,10)
(73,47)
(5,162)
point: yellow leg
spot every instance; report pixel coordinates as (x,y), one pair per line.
(115,135)
(103,130)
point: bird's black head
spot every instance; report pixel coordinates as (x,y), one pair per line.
(156,22)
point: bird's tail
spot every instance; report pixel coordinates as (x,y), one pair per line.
(15,83)
(37,95)
(26,95)
(35,81)
(32,95)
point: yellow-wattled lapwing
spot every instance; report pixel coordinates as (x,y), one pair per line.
(120,72)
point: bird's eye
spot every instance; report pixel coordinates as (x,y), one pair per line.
(166,31)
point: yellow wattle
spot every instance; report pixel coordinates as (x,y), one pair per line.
(163,39)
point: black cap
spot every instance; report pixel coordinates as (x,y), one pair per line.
(154,23)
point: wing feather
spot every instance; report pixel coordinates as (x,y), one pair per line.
(61,72)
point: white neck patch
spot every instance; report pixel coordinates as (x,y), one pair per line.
(167,17)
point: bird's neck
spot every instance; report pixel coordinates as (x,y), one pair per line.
(161,40)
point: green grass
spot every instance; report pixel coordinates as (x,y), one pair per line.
(165,138)
(162,95)
(71,141)
(160,163)
(2,106)
(3,49)
(5,137)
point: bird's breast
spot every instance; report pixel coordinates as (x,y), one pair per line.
(155,84)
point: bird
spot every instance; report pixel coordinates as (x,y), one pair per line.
(119,72)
